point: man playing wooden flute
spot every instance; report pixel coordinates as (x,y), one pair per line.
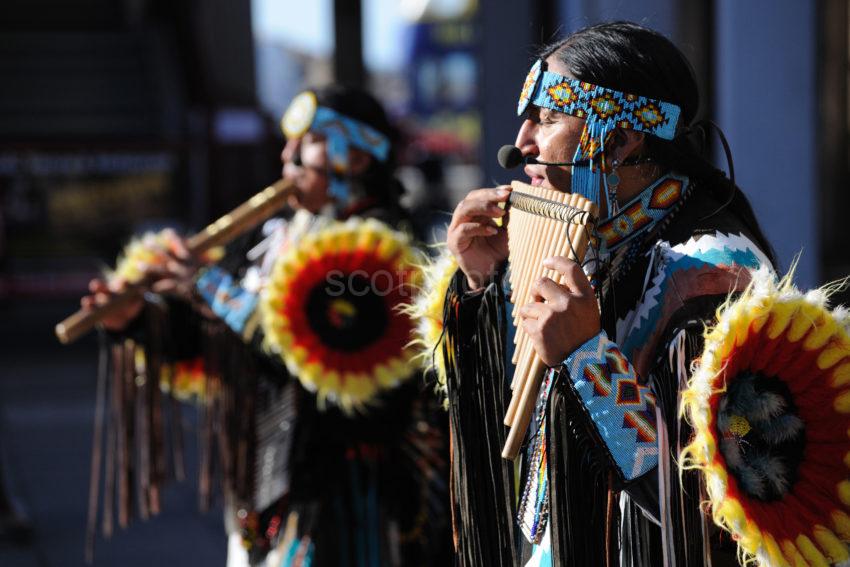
(319,467)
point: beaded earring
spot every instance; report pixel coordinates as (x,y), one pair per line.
(612,180)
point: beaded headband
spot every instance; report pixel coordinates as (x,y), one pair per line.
(604,110)
(341,132)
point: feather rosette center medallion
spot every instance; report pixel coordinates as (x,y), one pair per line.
(769,402)
(332,311)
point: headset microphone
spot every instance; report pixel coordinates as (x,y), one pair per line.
(510,157)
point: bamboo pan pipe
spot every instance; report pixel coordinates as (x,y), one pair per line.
(243,218)
(543,223)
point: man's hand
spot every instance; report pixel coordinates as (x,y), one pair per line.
(562,316)
(173,275)
(176,276)
(101,292)
(474,239)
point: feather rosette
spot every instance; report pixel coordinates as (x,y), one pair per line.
(769,401)
(332,311)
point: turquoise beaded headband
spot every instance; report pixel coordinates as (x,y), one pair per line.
(604,110)
(598,104)
(341,132)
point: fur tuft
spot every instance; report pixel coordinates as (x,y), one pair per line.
(427,310)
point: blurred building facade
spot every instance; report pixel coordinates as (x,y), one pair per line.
(117,115)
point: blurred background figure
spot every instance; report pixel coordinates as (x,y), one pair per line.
(313,470)
(121,116)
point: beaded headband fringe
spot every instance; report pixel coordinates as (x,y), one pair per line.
(604,110)
(341,132)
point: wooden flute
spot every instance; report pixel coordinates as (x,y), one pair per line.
(243,218)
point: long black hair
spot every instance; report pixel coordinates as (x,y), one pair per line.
(631,58)
(378,181)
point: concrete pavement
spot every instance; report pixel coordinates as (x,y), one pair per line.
(46,416)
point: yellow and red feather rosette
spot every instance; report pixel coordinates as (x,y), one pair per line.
(185,380)
(332,311)
(784,354)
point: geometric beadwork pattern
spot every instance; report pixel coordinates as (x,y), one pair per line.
(621,408)
(665,195)
(356,134)
(704,258)
(533,509)
(230,301)
(597,104)
(643,211)
(342,133)
(304,114)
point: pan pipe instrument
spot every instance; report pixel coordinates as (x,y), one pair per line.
(543,223)
(240,220)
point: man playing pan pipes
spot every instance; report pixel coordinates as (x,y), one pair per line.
(607,113)
(331,452)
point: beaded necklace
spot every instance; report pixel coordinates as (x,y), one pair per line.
(622,236)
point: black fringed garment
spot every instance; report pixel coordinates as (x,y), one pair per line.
(657,294)
(478,392)
(323,485)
